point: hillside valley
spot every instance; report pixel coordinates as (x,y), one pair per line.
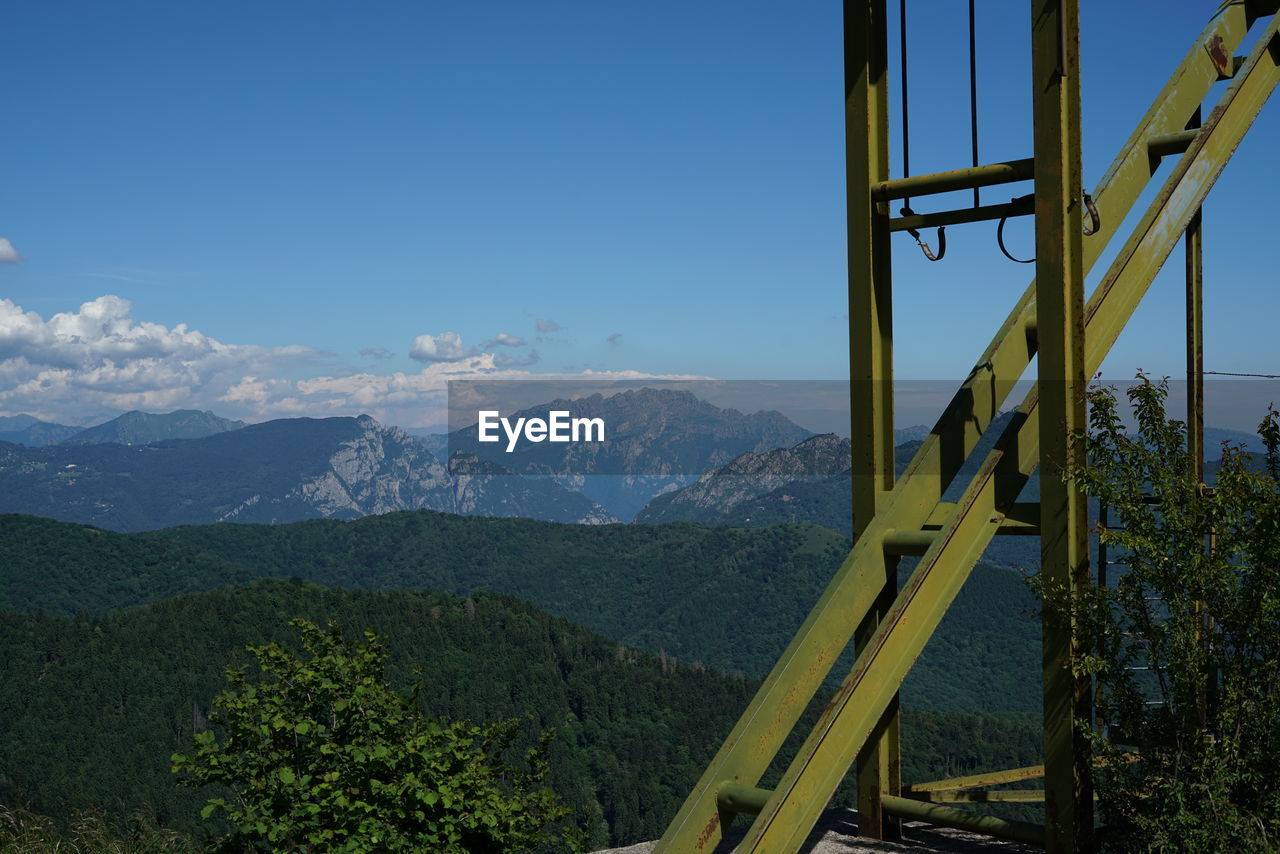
(689,590)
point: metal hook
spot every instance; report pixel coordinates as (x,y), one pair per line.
(1095,221)
(1000,234)
(924,247)
(1091,227)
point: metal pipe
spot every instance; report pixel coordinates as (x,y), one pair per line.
(1019,207)
(956,179)
(1019,831)
(737,798)
(1171,143)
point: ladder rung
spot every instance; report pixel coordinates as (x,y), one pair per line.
(1024,206)
(955,179)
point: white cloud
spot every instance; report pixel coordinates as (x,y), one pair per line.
(100,359)
(548,326)
(502,339)
(445,347)
(8,255)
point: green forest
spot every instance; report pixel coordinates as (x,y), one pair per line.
(638,645)
(692,591)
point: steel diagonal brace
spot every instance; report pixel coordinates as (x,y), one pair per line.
(795,679)
(791,811)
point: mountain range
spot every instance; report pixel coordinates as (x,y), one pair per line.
(142,428)
(142,471)
(131,428)
(670,457)
(277,471)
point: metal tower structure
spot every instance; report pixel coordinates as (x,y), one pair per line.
(1068,337)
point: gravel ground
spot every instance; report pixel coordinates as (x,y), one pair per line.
(837,833)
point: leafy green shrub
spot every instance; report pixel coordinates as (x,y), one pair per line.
(321,755)
(1185,640)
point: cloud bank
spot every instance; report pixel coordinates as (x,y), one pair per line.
(101,360)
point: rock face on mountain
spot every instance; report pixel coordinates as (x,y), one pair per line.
(142,428)
(278,471)
(774,479)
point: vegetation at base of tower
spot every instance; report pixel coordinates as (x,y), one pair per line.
(1183,641)
(321,754)
(87,832)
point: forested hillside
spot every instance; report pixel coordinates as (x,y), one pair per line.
(94,707)
(728,597)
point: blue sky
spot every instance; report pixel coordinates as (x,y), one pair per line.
(266,206)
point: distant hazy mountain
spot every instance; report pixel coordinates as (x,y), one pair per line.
(29,430)
(278,471)
(656,439)
(914,433)
(143,428)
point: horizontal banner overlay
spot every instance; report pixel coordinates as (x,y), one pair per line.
(747,428)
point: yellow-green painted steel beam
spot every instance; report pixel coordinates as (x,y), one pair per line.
(1064,532)
(970,796)
(879,768)
(974,781)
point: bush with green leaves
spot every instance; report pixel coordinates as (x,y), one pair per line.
(319,754)
(1184,641)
